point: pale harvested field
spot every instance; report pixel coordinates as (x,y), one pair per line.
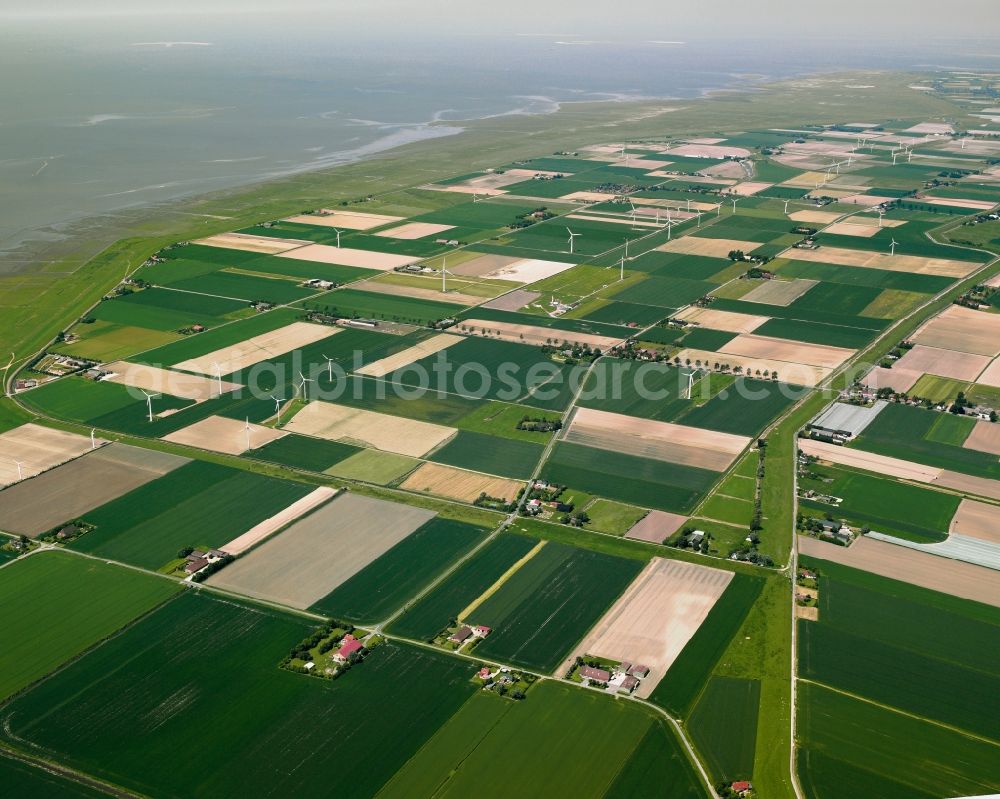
(799,374)
(513,300)
(727,169)
(446,481)
(258,348)
(483,265)
(994,282)
(345,220)
(268,527)
(707,151)
(586,196)
(500,180)
(852,229)
(164,381)
(943,363)
(967,484)
(346,256)
(963,329)
(977,205)
(458,188)
(38,449)
(655,618)
(414,230)
(915,264)
(656,526)
(910,566)
(368,428)
(705,140)
(714,248)
(816,217)
(529,270)
(868,200)
(404,290)
(319,552)
(672,443)
(897,379)
(779,292)
(634,162)
(805,180)
(748,188)
(427,347)
(991,375)
(228,436)
(753,346)
(36,506)
(722,320)
(249,243)
(934,128)
(535,334)
(977,520)
(807,612)
(870,461)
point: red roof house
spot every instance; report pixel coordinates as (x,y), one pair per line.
(348,646)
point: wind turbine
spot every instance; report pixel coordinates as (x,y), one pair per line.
(963,144)
(690,385)
(149,404)
(20,474)
(632,206)
(218,377)
(572,236)
(624,256)
(247,429)
(735,200)
(444,275)
(689,204)
(786,207)
(893,245)
(881,213)
(909,155)
(93,441)
(698,214)
(329,368)
(277,409)
(335,230)
(670,225)
(302,385)
(894,157)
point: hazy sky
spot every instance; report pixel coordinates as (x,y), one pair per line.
(648,19)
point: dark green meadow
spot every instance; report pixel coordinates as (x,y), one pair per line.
(544,609)
(485,453)
(432,613)
(198,505)
(387,582)
(199,681)
(724,726)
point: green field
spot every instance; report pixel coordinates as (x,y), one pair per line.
(612,517)
(374,466)
(431,614)
(20,779)
(634,480)
(57,605)
(485,453)
(681,685)
(303,452)
(352,302)
(199,505)
(148,708)
(550,603)
(472,754)
(388,581)
(724,727)
(880,503)
(937,389)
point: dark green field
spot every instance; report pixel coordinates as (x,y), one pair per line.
(388,581)
(836,335)
(640,481)
(679,688)
(666,292)
(56,605)
(150,707)
(303,452)
(20,779)
(352,302)
(240,286)
(724,726)
(198,505)
(162,309)
(484,453)
(428,616)
(540,613)
(885,505)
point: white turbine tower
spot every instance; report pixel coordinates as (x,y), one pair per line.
(893,246)
(698,214)
(93,441)
(149,404)
(218,377)
(277,409)
(335,230)
(689,205)
(881,213)
(909,155)
(670,225)
(632,206)
(247,429)
(20,474)
(690,384)
(444,274)
(572,236)
(624,256)
(329,368)
(894,157)
(786,207)
(735,200)
(302,384)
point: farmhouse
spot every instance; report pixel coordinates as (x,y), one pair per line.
(594,674)
(463,634)
(349,645)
